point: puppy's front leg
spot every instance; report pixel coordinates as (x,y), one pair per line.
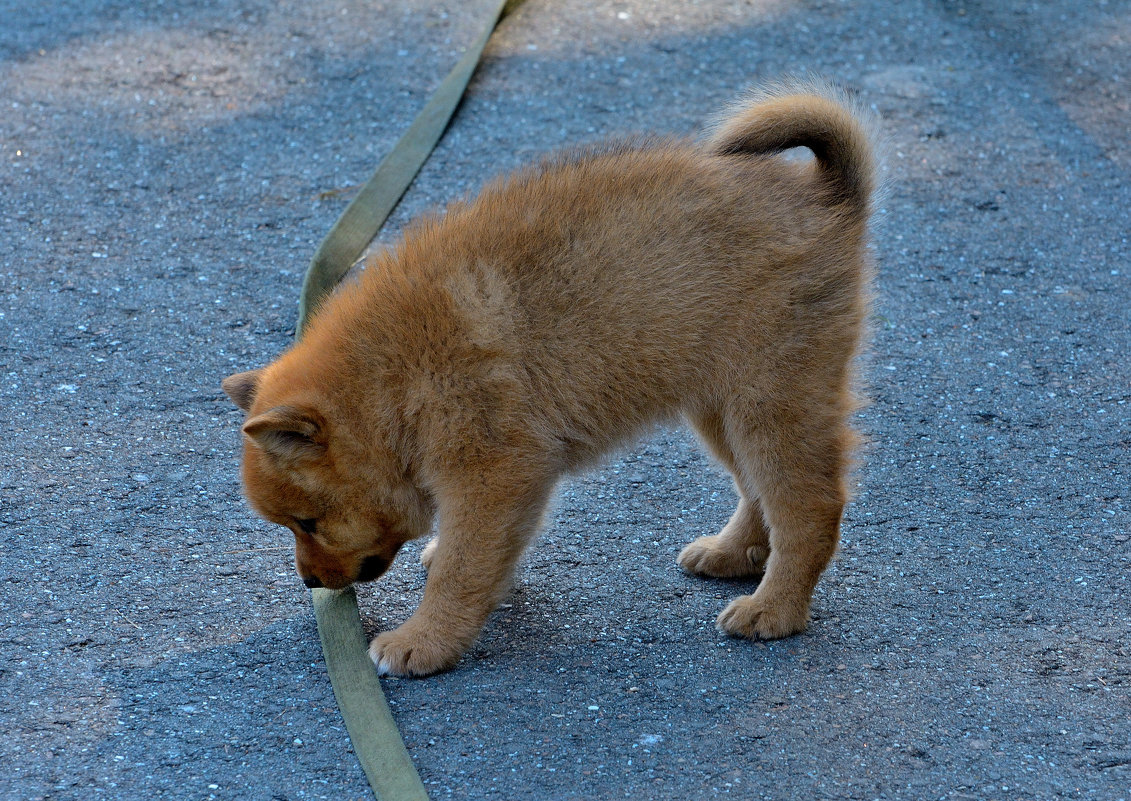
(483,531)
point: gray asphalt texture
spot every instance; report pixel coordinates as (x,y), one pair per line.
(167,170)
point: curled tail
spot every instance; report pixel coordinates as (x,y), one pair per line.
(806,114)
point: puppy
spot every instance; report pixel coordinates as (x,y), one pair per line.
(524,334)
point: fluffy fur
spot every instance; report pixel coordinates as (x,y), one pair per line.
(523,335)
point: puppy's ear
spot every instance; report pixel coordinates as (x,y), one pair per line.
(288,433)
(241,388)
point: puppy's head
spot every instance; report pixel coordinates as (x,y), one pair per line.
(347,499)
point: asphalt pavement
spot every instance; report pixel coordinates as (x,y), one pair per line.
(168,169)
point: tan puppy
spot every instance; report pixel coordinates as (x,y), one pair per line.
(524,334)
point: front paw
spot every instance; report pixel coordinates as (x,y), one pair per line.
(428,553)
(413,650)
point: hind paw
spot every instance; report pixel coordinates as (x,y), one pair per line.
(756,617)
(720,558)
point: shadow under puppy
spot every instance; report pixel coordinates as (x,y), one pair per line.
(524,334)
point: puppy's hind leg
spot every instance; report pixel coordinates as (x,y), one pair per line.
(741,548)
(797,456)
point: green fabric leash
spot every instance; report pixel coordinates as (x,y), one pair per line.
(367,212)
(357,689)
(370,723)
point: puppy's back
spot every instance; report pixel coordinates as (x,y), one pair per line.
(610,287)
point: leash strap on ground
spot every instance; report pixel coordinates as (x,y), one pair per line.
(370,724)
(367,212)
(357,689)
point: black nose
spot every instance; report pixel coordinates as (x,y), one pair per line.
(311,581)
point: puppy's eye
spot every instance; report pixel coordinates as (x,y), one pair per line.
(308,526)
